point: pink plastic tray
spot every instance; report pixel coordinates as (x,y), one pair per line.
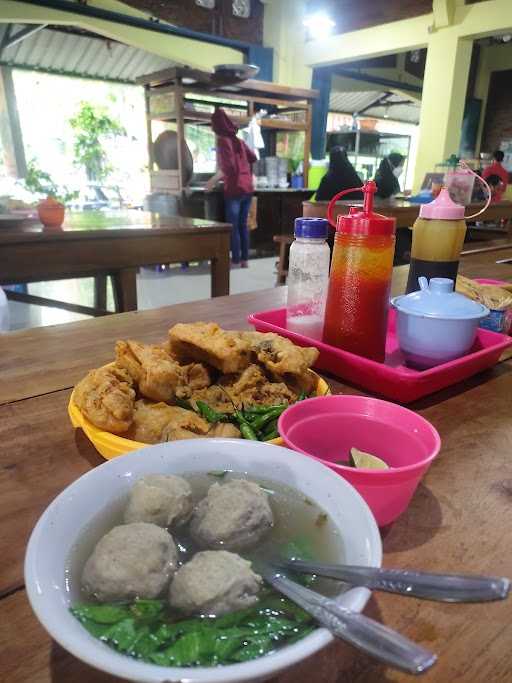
(392,379)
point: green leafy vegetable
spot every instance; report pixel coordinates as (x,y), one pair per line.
(300,549)
(147,609)
(123,635)
(95,629)
(101,614)
(297,549)
(149,631)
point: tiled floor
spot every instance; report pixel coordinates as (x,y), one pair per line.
(154,289)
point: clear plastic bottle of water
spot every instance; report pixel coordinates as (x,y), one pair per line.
(308,277)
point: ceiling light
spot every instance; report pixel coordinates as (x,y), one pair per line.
(319,25)
(386,111)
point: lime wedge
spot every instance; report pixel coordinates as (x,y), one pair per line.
(367,461)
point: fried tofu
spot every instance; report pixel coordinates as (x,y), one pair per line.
(106,397)
(208,343)
(158,422)
(228,370)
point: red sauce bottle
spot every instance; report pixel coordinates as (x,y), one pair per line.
(360,279)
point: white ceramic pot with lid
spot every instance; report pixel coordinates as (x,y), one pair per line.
(435,324)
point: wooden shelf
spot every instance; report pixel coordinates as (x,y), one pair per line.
(205,117)
(185,87)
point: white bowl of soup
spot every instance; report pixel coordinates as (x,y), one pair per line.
(311,507)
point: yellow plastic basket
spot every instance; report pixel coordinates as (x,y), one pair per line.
(111,445)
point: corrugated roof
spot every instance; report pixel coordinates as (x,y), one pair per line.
(408,113)
(77,54)
(353,101)
(72,54)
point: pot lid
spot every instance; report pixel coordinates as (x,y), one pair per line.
(437,299)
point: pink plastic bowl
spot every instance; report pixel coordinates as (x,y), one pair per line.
(326,427)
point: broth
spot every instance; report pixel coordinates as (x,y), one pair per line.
(297,521)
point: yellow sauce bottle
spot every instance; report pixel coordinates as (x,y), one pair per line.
(437,240)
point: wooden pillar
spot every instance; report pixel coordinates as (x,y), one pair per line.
(10,129)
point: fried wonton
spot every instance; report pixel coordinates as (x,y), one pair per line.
(268,394)
(208,343)
(157,374)
(279,355)
(106,397)
(216,397)
(252,387)
(236,383)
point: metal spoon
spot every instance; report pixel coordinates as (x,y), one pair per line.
(368,635)
(443,587)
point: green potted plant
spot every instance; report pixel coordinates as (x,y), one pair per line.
(92,126)
(52,206)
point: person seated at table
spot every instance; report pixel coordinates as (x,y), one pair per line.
(387,175)
(497,169)
(341,175)
(234,159)
(497,187)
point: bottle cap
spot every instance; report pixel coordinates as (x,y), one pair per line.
(312,228)
(365,221)
(443,207)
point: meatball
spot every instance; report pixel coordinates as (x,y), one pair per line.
(159,499)
(214,582)
(131,561)
(235,515)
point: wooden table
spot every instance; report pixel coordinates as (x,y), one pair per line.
(116,245)
(458,519)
